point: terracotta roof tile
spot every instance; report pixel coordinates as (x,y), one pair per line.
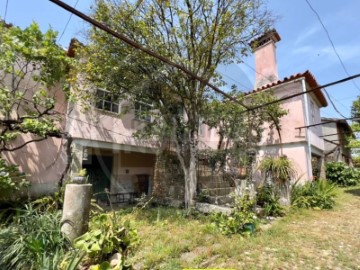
(310,79)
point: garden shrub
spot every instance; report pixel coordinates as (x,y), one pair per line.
(107,236)
(242,219)
(268,198)
(11,180)
(341,174)
(318,195)
(31,239)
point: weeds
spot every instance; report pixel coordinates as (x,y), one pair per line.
(319,195)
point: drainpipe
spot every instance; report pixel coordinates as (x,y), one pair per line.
(307,120)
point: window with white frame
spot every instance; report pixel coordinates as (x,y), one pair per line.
(107,101)
(142,111)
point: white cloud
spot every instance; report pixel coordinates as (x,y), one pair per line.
(308,33)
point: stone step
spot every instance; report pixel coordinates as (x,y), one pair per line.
(222,184)
(210,178)
(221,200)
(218,191)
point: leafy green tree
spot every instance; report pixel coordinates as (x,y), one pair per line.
(354,142)
(240,131)
(31,66)
(199,35)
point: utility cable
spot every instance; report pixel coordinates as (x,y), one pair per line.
(301,93)
(145,50)
(327,122)
(67,24)
(332,103)
(6,8)
(182,68)
(331,42)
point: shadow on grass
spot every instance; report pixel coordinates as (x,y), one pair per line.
(355,192)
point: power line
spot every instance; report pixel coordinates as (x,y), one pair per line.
(6,8)
(254,69)
(301,93)
(236,81)
(334,134)
(180,67)
(332,103)
(66,25)
(331,42)
(338,101)
(327,122)
(143,49)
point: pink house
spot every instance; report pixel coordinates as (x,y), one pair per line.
(104,144)
(302,144)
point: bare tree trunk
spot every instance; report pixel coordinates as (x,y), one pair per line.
(190,178)
(186,152)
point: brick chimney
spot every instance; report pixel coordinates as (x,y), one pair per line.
(265,58)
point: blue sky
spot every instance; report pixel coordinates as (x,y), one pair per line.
(304,44)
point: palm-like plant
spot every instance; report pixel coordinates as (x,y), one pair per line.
(281,170)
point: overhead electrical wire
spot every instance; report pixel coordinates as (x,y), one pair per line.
(67,23)
(332,103)
(145,50)
(6,9)
(302,93)
(180,67)
(331,42)
(327,122)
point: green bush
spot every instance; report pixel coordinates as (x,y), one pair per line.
(31,239)
(341,174)
(242,219)
(11,180)
(268,198)
(107,236)
(318,195)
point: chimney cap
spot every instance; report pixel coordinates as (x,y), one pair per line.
(270,35)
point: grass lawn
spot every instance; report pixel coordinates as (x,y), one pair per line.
(304,239)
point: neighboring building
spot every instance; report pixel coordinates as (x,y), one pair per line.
(335,132)
(303,145)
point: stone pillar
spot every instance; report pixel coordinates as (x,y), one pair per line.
(77,156)
(75,216)
(322,168)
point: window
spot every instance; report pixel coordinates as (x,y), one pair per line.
(107,101)
(142,111)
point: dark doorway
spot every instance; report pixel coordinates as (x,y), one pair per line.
(143,183)
(99,170)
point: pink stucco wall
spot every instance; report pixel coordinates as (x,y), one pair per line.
(98,125)
(297,144)
(45,161)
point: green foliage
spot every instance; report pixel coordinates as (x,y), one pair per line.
(11,180)
(31,64)
(268,198)
(318,195)
(198,36)
(281,169)
(242,220)
(50,203)
(341,174)
(31,240)
(107,236)
(356,161)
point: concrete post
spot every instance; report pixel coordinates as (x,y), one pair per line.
(77,156)
(75,216)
